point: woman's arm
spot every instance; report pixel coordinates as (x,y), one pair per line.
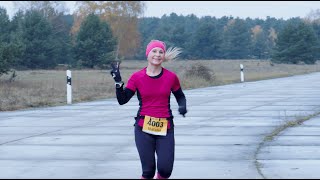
(182,102)
(124,95)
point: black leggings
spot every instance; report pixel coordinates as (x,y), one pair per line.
(147,145)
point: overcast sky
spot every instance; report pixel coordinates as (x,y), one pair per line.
(241,9)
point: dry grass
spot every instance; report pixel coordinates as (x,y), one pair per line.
(48,88)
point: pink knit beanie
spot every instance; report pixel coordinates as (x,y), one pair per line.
(155,43)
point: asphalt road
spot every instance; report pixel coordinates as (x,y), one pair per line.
(222,135)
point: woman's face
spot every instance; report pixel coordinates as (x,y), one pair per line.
(156,56)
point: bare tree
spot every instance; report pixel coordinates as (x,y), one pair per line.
(313,16)
(122,17)
(45,6)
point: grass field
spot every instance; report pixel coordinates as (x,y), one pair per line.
(38,88)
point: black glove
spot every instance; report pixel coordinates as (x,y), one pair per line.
(183,110)
(115,73)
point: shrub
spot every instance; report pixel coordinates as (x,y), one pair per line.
(201,71)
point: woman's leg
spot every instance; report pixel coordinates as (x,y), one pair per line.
(165,154)
(146,148)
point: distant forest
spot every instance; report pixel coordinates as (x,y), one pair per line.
(32,40)
(229,37)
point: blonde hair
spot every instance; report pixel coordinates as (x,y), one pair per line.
(172,54)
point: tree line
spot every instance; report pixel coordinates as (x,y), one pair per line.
(294,40)
(43,37)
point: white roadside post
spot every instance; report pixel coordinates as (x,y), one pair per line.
(69,88)
(241,73)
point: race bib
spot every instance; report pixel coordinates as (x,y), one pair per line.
(156,126)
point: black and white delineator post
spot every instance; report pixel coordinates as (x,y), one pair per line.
(241,73)
(69,88)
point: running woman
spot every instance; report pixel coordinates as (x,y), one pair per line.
(154,128)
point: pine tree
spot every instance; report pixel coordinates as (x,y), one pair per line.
(38,40)
(296,43)
(207,39)
(6,53)
(237,40)
(95,44)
